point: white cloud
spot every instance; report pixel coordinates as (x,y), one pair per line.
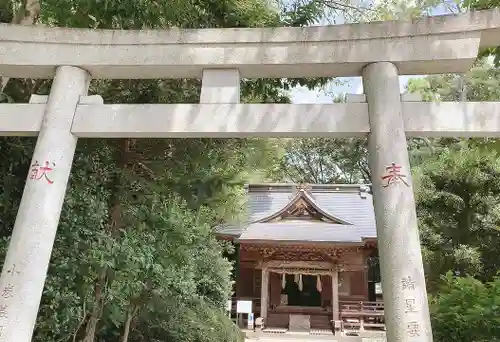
(359,90)
(303,95)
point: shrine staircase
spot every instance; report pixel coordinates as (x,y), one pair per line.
(276,321)
(321,322)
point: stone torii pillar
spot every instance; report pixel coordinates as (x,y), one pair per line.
(25,266)
(403,283)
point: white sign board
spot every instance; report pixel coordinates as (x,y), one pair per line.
(244,306)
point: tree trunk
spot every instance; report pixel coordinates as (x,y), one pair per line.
(91,327)
(114,223)
(132,311)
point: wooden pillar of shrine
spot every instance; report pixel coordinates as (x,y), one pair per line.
(335,296)
(264,293)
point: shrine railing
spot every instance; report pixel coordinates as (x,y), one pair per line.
(362,315)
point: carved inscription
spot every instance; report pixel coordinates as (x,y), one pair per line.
(410,305)
(408,283)
(13,270)
(413,329)
(7,291)
(3,311)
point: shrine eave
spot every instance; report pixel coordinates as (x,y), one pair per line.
(368,243)
(300,242)
(296,230)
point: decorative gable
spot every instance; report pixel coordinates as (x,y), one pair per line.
(302,207)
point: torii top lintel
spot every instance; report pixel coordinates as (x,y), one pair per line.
(429,45)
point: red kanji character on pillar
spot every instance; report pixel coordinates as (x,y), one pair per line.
(394,175)
(38,171)
(46,169)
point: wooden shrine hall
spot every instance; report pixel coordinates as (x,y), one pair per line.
(304,255)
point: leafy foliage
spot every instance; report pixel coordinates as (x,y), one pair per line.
(481,83)
(465,309)
(323,161)
(458,206)
(401,10)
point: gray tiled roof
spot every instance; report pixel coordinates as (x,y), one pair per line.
(289,230)
(346,202)
(262,204)
(351,207)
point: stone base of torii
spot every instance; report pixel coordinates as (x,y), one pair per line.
(379,52)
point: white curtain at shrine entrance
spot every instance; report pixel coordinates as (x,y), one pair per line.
(297,274)
(299,281)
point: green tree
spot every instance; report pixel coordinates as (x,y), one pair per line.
(458,206)
(322,161)
(401,10)
(464,309)
(481,83)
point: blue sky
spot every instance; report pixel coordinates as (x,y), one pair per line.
(351,85)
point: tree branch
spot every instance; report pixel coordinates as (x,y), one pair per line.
(341,6)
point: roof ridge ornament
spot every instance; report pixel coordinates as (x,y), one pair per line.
(305,187)
(364,190)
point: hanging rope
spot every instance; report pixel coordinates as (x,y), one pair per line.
(301,285)
(283,281)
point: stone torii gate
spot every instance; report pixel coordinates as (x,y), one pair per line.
(380,52)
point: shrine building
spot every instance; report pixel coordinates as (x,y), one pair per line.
(305,257)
